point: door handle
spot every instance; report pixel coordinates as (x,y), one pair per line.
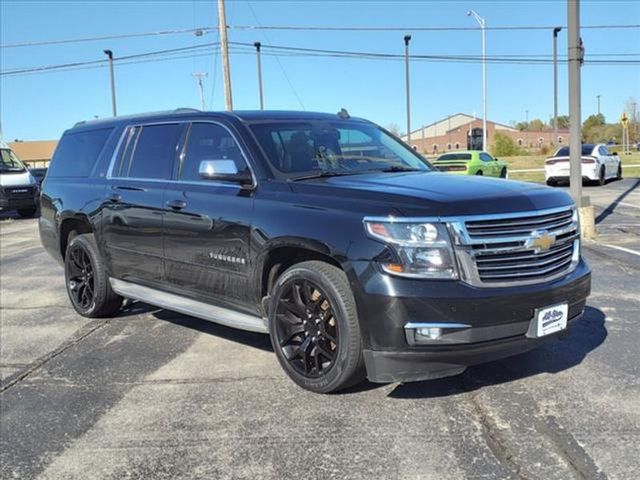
(176,204)
(115,198)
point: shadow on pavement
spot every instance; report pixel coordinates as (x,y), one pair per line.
(610,209)
(557,356)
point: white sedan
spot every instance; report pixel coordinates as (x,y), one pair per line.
(598,165)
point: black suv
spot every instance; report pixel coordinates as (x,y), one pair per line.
(324,231)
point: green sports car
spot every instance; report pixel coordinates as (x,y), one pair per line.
(471,162)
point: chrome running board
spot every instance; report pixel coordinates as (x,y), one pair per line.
(205,311)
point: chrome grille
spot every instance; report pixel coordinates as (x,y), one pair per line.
(528,247)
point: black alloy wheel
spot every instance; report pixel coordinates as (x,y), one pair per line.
(87,279)
(479,172)
(80,277)
(307,329)
(503,173)
(602,179)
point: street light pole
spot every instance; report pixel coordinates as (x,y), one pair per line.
(482,23)
(556,31)
(407,39)
(258,45)
(109,54)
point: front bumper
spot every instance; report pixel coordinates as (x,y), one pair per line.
(8,203)
(498,317)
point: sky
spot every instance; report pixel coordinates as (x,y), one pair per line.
(43,105)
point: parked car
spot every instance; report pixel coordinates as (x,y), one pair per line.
(38,174)
(598,165)
(18,189)
(352,252)
(471,162)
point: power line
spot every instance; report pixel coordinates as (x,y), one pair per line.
(196,31)
(279,51)
(415,29)
(204,30)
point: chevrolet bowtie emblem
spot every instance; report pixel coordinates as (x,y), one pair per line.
(540,241)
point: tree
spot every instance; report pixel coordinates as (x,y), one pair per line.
(504,146)
(537,125)
(563,121)
(593,121)
(394,128)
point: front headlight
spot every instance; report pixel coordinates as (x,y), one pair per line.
(423,248)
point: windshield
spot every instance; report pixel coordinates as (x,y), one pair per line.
(342,147)
(9,162)
(564,151)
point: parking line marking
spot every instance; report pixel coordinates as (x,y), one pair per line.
(622,249)
(628,205)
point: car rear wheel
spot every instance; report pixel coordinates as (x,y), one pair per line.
(87,281)
(552,183)
(479,172)
(27,212)
(314,327)
(601,178)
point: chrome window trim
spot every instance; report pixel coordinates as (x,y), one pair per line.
(128,128)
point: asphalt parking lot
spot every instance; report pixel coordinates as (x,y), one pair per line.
(154,394)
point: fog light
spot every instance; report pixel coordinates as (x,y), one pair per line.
(432,333)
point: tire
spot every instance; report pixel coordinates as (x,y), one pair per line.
(27,212)
(503,173)
(305,300)
(87,281)
(619,174)
(552,183)
(479,172)
(602,179)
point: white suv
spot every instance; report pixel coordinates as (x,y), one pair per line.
(598,165)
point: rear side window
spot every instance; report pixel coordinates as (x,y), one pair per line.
(77,153)
(455,156)
(149,151)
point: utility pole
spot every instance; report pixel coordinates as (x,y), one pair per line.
(598,97)
(635,122)
(526,128)
(199,76)
(482,23)
(407,39)
(556,31)
(224,46)
(109,54)
(258,45)
(575,58)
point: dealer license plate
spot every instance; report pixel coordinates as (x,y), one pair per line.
(549,320)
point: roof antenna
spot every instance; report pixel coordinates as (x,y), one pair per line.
(343,113)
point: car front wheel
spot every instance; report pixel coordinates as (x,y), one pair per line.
(87,280)
(602,179)
(619,174)
(314,328)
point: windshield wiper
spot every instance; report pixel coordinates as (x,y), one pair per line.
(326,173)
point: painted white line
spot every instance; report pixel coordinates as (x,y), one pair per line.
(628,205)
(622,249)
(531,170)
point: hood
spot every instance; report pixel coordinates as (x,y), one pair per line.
(14,179)
(439,194)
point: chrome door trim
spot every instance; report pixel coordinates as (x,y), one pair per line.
(195,308)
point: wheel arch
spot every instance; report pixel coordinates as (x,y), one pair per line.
(286,252)
(71,226)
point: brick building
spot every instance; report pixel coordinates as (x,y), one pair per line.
(464,132)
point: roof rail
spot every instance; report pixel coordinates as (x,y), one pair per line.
(81,122)
(186,110)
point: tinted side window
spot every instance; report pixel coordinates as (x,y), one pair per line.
(155,151)
(603,151)
(77,153)
(208,141)
(485,157)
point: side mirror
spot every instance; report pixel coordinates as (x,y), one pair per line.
(495,159)
(223,170)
